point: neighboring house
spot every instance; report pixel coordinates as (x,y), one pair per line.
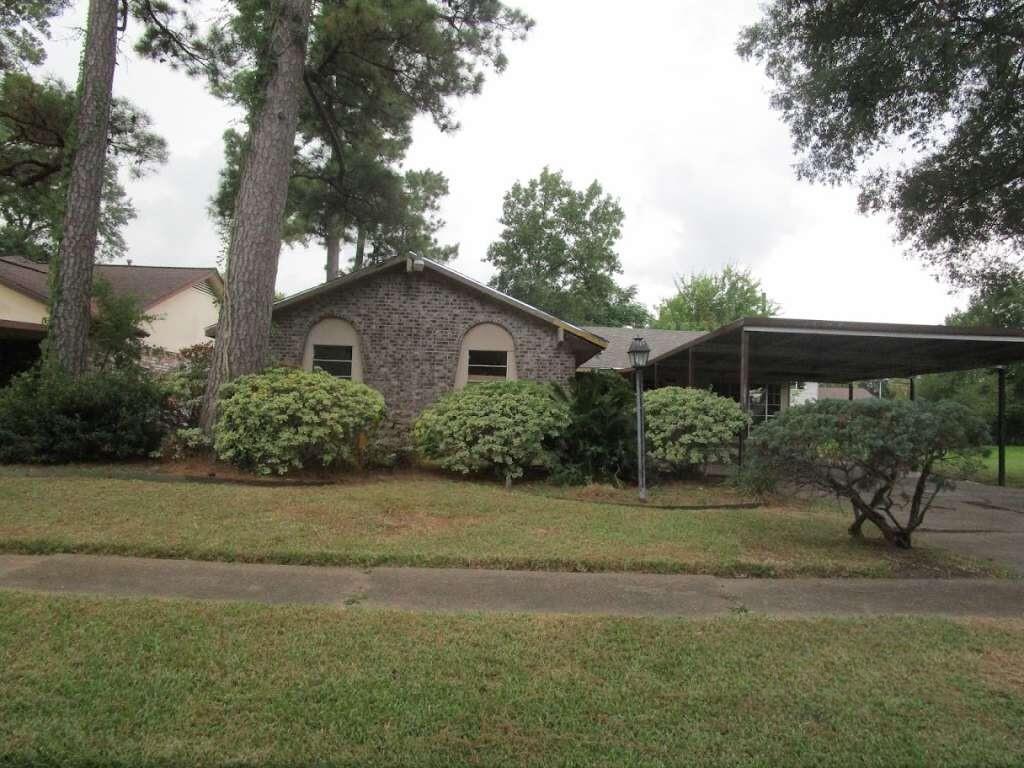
(812,391)
(183,301)
(414,329)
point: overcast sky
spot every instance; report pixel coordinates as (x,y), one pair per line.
(654,104)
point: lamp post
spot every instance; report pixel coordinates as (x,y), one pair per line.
(639,353)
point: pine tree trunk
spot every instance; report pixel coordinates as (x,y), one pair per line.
(243,333)
(333,243)
(71,284)
(357,263)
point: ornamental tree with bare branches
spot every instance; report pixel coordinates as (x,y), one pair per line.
(883,456)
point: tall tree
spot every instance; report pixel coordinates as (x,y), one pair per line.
(35,120)
(705,301)
(864,84)
(557,252)
(372,67)
(24,28)
(71,272)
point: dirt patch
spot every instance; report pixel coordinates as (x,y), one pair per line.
(1004,670)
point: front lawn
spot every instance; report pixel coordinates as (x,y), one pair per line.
(989,472)
(91,682)
(426,520)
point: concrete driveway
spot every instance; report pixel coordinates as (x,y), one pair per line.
(980,521)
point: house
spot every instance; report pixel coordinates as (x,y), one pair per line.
(414,329)
(183,301)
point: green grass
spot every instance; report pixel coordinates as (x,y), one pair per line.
(1014,467)
(425,520)
(157,684)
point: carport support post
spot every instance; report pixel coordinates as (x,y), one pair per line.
(913,389)
(689,367)
(850,393)
(744,382)
(1001,424)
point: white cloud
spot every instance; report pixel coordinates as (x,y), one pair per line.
(654,104)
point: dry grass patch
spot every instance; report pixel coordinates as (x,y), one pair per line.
(426,520)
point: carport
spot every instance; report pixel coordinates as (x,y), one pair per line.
(755,352)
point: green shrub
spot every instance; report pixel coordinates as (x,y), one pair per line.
(691,428)
(185,385)
(502,427)
(865,451)
(49,417)
(287,419)
(599,443)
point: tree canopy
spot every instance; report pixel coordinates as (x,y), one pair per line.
(35,123)
(921,102)
(705,301)
(557,252)
(24,29)
(372,67)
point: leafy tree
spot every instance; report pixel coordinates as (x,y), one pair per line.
(24,28)
(557,252)
(116,332)
(866,451)
(705,301)
(373,66)
(859,82)
(994,304)
(599,443)
(35,120)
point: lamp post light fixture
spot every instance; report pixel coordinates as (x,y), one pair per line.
(639,354)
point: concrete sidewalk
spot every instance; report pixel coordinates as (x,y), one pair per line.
(430,589)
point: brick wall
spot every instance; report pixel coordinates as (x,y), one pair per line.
(410,327)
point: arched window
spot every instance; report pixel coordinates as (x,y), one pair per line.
(488,353)
(333,345)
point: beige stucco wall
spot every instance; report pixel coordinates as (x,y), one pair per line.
(19,307)
(486,336)
(337,332)
(182,320)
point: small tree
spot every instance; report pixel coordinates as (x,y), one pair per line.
(863,451)
(600,439)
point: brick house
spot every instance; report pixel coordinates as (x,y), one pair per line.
(414,329)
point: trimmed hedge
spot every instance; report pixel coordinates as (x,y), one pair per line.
(285,419)
(691,428)
(502,427)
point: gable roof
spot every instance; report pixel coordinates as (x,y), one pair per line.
(614,357)
(149,285)
(441,269)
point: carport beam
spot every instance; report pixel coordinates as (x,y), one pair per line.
(1001,424)
(744,382)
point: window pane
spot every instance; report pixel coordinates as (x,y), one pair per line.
(331,352)
(479,357)
(340,368)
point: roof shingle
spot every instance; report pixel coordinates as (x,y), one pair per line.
(614,356)
(149,285)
